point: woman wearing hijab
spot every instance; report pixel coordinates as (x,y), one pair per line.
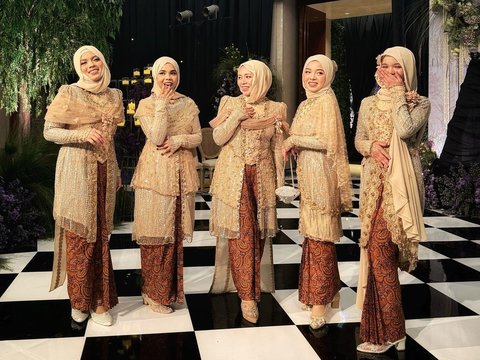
(165,183)
(250,130)
(318,138)
(83,118)
(390,127)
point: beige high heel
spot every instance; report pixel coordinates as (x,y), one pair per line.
(156,307)
(316,320)
(336,301)
(249,311)
(368,347)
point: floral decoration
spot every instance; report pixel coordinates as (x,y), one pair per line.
(462,22)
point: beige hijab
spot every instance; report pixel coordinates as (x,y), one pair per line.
(158,65)
(330,68)
(262,80)
(84,81)
(406,59)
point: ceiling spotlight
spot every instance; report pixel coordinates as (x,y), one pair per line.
(184,16)
(211,12)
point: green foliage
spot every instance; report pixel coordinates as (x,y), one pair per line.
(341,84)
(32,162)
(229,62)
(225,74)
(38,39)
(462,22)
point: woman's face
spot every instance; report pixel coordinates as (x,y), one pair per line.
(91,66)
(167,77)
(245,80)
(392,66)
(314,76)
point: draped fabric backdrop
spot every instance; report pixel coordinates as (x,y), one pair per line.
(368,36)
(149,30)
(410,20)
(365,38)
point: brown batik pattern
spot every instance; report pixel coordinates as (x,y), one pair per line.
(382,316)
(91,282)
(246,252)
(319,279)
(162,266)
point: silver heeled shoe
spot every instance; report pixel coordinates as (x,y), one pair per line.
(156,307)
(318,321)
(249,311)
(368,347)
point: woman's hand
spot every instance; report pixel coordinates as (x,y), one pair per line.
(380,153)
(250,111)
(119,182)
(387,79)
(166,148)
(289,150)
(95,137)
(166,92)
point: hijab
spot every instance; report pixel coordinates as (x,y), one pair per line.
(84,81)
(158,66)
(329,67)
(262,80)
(406,59)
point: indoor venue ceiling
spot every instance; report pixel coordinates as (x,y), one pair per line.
(341,9)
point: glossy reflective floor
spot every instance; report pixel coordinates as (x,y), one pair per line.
(441,301)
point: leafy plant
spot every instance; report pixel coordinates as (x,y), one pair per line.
(20,222)
(341,84)
(226,74)
(32,163)
(462,22)
(37,41)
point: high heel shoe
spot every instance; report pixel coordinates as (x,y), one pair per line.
(318,320)
(336,301)
(368,347)
(249,311)
(156,307)
(306,307)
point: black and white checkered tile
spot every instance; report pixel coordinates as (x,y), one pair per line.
(441,302)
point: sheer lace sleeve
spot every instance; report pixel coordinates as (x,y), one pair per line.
(362,143)
(58,133)
(188,141)
(224,132)
(155,128)
(307,142)
(408,122)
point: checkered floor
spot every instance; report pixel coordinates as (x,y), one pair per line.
(441,300)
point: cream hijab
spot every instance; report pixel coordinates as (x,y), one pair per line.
(406,59)
(158,65)
(84,81)
(262,80)
(330,68)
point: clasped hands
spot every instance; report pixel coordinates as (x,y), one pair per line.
(379,151)
(166,148)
